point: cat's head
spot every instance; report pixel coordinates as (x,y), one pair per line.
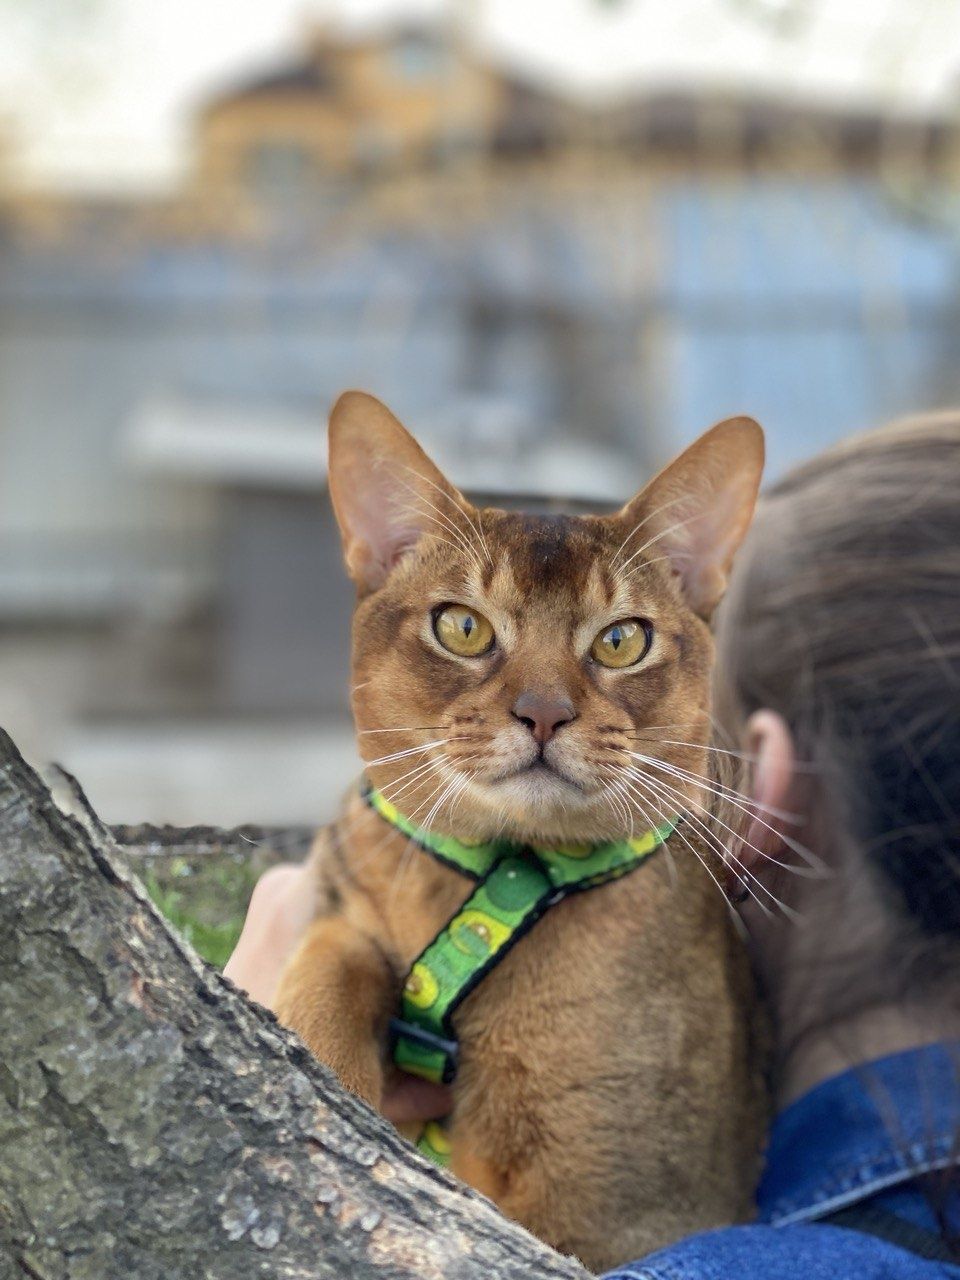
(505,666)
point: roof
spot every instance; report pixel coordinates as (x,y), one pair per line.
(637,107)
(311,71)
(297,77)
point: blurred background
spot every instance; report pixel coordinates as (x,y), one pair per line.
(559,237)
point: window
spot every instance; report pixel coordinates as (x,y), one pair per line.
(275,169)
(416,57)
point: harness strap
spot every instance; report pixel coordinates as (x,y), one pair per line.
(516,885)
(505,905)
(894,1230)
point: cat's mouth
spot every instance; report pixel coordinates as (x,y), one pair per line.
(539,770)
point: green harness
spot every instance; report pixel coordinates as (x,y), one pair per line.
(515,885)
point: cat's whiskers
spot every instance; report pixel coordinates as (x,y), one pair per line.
(696,746)
(419,772)
(617,792)
(446,788)
(404,728)
(717,847)
(664,814)
(665,808)
(740,801)
(623,811)
(458,795)
(683,497)
(741,840)
(747,756)
(632,803)
(673,795)
(721,789)
(410,751)
(677,798)
(663,533)
(462,542)
(440,763)
(394,790)
(411,845)
(718,788)
(475,529)
(645,564)
(438,517)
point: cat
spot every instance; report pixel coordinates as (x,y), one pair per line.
(504,666)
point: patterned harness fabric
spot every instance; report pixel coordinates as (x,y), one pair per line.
(515,885)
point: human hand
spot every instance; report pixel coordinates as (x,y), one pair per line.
(281,908)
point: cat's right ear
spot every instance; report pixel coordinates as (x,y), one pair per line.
(386,492)
(696,512)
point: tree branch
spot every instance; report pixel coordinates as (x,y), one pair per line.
(154,1123)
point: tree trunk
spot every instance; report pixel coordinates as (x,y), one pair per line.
(155,1124)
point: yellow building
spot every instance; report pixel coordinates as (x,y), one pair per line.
(392,100)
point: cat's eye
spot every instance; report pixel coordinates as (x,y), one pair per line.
(463,631)
(623,644)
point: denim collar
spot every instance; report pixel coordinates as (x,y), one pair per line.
(873,1127)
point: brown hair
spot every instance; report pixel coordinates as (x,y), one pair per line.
(843,615)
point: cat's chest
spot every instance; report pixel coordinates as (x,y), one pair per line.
(585,956)
(588,959)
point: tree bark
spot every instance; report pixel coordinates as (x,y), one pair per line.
(155,1123)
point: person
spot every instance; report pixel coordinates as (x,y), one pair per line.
(838,672)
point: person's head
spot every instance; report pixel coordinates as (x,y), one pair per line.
(839,672)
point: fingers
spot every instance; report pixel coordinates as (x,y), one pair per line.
(281,907)
(408,1099)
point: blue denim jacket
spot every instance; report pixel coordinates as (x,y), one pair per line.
(862,1139)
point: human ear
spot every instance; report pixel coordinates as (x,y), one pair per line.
(772,775)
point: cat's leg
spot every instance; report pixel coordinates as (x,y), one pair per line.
(483,1175)
(337,992)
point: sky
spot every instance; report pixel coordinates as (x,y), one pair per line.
(99,94)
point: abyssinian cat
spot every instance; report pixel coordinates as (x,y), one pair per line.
(509,670)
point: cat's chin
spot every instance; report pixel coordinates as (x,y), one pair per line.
(537,795)
(538,806)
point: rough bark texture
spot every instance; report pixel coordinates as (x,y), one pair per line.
(154,1123)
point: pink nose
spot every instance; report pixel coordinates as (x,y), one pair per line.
(543,716)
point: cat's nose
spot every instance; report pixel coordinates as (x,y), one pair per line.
(542,715)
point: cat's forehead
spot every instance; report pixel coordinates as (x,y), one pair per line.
(558,557)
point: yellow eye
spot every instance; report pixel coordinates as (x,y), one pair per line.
(623,644)
(463,631)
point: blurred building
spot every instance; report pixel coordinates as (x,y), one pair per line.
(346,106)
(555,293)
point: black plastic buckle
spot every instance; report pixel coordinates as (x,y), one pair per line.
(420,1035)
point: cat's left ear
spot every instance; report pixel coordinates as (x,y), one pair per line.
(697,510)
(386,492)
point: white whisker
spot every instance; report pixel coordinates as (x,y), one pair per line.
(718,846)
(646,520)
(405,728)
(655,800)
(462,543)
(681,524)
(476,530)
(720,751)
(438,517)
(408,751)
(739,801)
(645,564)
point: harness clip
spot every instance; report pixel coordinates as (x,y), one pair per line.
(398,1027)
